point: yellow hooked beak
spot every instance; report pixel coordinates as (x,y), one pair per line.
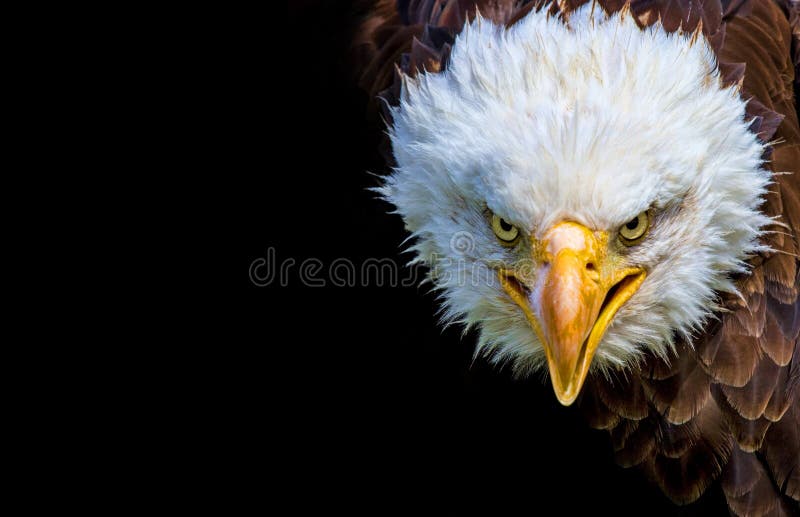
(576,292)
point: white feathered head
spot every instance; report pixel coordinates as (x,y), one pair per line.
(582,190)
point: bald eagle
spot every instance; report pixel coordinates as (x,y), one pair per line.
(608,193)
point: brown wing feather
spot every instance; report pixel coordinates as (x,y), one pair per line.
(726,409)
(682,396)
(625,397)
(761,498)
(598,414)
(777,345)
(684,474)
(639,446)
(782,449)
(742,474)
(749,433)
(782,395)
(751,400)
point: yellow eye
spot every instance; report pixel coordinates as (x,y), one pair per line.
(632,232)
(506,232)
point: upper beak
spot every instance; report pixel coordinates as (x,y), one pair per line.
(572,300)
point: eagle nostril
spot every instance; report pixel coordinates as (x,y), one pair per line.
(590,266)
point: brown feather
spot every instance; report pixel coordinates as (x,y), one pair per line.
(675,440)
(793,485)
(423,57)
(735,359)
(685,476)
(794,371)
(684,479)
(749,320)
(781,293)
(761,499)
(717,40)
(681,396)
(741,473)
(787,317)
(749,434)
(782,448)
(707,344)
(681,360)
(638,446)
(596,412)
(621,433)
(521,13)
(774,343)
(731,73)
(781,396)
(754,283)
(453,15)
(782,269)
(751,400)
(624,397)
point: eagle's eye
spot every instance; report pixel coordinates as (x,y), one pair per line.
(506,232)
(632,232)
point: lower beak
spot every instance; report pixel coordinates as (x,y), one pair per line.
(572,300)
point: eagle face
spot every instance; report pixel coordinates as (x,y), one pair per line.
(583,190)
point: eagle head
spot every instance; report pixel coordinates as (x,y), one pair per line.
(582,189)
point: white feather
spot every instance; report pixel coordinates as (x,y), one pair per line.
(594,122)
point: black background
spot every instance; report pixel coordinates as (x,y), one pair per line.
(381,408)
